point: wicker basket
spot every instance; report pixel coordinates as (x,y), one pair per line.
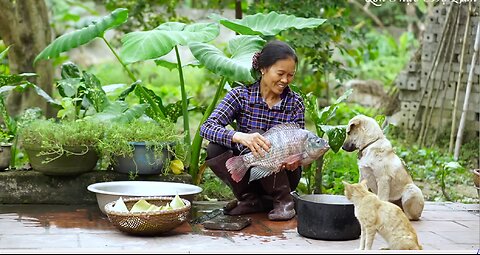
(148,223)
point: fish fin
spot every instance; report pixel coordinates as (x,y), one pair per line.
(258,172)
(293,158)
(280,127)
(236,167)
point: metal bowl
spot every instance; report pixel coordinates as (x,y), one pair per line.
(107,192)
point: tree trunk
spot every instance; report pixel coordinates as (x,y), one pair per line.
(238,9)
(24,25)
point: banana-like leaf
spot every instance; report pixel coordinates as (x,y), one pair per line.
(267,24)
(145,45)
(84,35)
(237,66)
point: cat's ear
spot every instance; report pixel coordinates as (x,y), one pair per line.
(345,183)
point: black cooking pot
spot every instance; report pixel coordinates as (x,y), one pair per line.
(326,217)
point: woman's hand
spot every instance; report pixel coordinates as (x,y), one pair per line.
(257,143)
(292,166)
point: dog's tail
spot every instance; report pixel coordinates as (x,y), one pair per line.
(412,201)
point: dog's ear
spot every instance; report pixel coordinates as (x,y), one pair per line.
(352,125)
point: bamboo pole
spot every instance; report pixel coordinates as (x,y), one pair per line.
(461,125)
(432,70)
(452,53)
(436,89)
(459,81)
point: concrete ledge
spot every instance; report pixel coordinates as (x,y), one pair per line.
(31,187)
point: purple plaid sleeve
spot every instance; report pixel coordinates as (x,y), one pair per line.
(213,129)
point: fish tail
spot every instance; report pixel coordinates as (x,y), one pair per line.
(236,167)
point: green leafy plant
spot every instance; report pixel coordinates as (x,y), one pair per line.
(83,96)
(433,168)
(157,136)
(145,45)
(95,30)
(336,134)
(316,46)
(338,167)
(55,138)
(19,83)
(380,56)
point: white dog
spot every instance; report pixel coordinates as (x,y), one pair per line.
(378,164)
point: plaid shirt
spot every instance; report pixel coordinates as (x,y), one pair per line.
(247,107)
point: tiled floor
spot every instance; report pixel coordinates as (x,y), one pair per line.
(55,228)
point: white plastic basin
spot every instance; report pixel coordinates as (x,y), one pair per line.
(107,192)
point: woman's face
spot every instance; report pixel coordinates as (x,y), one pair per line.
(278,76)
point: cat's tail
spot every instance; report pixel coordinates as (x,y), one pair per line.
(236,167)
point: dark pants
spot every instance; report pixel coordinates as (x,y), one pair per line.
(271,191)
(214,150)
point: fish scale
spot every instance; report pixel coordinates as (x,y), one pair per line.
(287,140)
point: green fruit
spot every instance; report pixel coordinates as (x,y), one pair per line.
(176,166)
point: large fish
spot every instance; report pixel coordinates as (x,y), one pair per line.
(289,144)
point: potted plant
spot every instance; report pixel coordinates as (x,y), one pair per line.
(62,148)
(141,147)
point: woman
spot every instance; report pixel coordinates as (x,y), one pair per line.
(256,108)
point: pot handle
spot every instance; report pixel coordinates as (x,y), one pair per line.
(295,195)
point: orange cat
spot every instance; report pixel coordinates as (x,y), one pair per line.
(380,216)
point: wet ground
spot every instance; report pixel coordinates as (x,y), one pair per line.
(44,228)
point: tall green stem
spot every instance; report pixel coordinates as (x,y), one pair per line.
(186,125)
(142,91)
(197,140)
(130,74)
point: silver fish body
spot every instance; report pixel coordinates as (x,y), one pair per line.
(289,143)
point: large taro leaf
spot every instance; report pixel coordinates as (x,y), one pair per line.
(84,35)
(145,45)
(267,24)
(237,66)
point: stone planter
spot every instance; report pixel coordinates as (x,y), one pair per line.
(5,156)
(83,160)
(143,162)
